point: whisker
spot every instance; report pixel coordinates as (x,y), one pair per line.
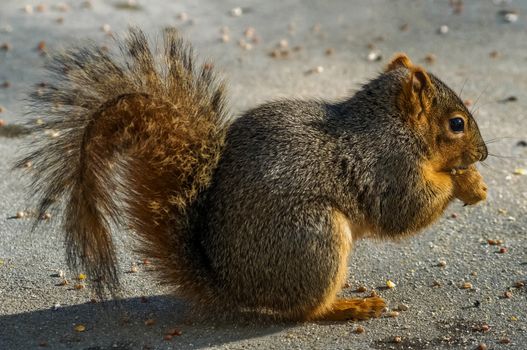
(462,87)
(477,99)
(505,157)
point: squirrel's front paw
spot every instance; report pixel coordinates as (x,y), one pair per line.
(469,186)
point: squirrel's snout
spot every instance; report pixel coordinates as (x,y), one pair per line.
(483,152)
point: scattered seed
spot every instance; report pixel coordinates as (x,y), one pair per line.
(41,47)
(441,263)
(477,303)
(466,285)
(56,306)
(521,143)
(64,282)
(167,337)
(507,294)
(436,284)
(318,69)
(485,328)
(346,285)
(236,12)
(430,58)
(520,171)
(174,332)
(182,16)
(390,284)
(283,43)
(60,274)
(402,307)
(225,38)
(28,9)
(494,54)
(93,301)
(494,241)
(79,286)
(45,216)
(519,284)
(392,314)
(503,250)
(373,294)
(468,102)
(134,268)
(41,8)
(505,340)
(404,27)
(397,339)
(454,215)
(150,322)
(146,262)
(43,343)
(59,20)
(5,47)
(329,51)
(482,346)
(106,28)
(514,318)
(360,329)
(443,29)
(6,84)
(80,327)
(20,214)
(361,289)
(249,32)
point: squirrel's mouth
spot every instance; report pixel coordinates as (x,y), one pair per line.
(458,170)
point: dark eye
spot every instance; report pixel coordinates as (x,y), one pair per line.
(457,124)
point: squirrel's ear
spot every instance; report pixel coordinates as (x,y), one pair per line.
(399,60)
(417,93)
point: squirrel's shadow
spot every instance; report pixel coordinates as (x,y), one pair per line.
(126,324)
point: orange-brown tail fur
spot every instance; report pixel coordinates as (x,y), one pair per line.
(135,146)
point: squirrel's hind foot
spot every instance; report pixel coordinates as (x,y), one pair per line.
(355,309)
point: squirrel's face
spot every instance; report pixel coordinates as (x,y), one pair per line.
(439,116)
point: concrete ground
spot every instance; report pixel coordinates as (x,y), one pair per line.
(481,54)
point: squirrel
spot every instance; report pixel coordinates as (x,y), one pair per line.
(258,212)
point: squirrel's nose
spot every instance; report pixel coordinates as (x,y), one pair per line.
(483,153)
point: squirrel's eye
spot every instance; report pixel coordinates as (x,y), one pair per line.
(457,124)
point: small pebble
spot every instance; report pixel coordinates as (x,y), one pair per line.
(374,56)
(519,284)
(482,346)
(174,332)
(79,286)
(329,51)
(443,29)
(60,274)
(41,8)
(225,38)
(509,16)
(404,27)
(503,250)
(167,337)
(507,294)
(441,263)
(236,12)
(360,329)
(283,43)
(28,9)
(436,284)
(20,214)
(397,339)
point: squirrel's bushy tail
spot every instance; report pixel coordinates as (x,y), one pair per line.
(131,141)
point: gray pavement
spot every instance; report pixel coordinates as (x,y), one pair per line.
(481,54)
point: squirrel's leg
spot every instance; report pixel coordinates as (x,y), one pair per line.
(337,309)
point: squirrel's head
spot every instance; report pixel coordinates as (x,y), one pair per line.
(438,115)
